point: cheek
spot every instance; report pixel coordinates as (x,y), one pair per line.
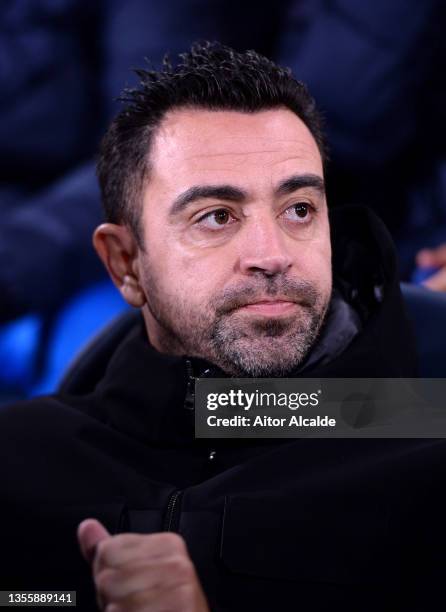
(176,275)
(177,262)
(196,278)
(314,264)
(207,275)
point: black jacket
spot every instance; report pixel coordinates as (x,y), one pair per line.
(352,525)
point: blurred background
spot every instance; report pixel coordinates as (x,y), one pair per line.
(376,69)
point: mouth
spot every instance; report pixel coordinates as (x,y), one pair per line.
(270,308)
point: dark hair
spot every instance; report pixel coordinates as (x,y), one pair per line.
(209,76)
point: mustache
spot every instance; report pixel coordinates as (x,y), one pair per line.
(300,291)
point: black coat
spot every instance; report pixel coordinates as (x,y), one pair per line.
(352,525)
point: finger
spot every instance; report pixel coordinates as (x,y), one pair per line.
(128,548)
(89,533)
(184,598)
(437,281)
(424,258)
(116,583)
(152,600)
(432,257)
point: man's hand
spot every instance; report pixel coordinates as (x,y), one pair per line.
(434,258)
(141,573)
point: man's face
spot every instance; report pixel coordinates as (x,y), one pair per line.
(237,261)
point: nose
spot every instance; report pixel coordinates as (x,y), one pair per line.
(264,249)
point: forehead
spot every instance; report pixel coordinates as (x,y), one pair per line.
(195,144)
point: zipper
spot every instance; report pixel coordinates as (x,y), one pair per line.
(172,518)
(189,400)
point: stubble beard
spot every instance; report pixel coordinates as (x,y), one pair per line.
(254,346)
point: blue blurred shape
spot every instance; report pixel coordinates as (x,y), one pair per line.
(74,326)
(421,274)
(19,343)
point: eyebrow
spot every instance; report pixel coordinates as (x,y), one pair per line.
(301,181)
(200,192)
(235,194)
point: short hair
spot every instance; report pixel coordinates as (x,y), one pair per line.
(210,76)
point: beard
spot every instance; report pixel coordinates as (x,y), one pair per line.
(240,345)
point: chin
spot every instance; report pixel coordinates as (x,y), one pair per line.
(258,359)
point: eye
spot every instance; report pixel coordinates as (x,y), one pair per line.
(299,213)
(216,219)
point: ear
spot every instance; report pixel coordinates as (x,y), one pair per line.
(117,248)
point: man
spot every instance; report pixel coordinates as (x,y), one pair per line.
(218,229)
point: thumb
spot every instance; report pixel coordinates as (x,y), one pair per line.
(89,533)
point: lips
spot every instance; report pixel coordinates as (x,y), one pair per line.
(269,307)
(290,296)
(270,301)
